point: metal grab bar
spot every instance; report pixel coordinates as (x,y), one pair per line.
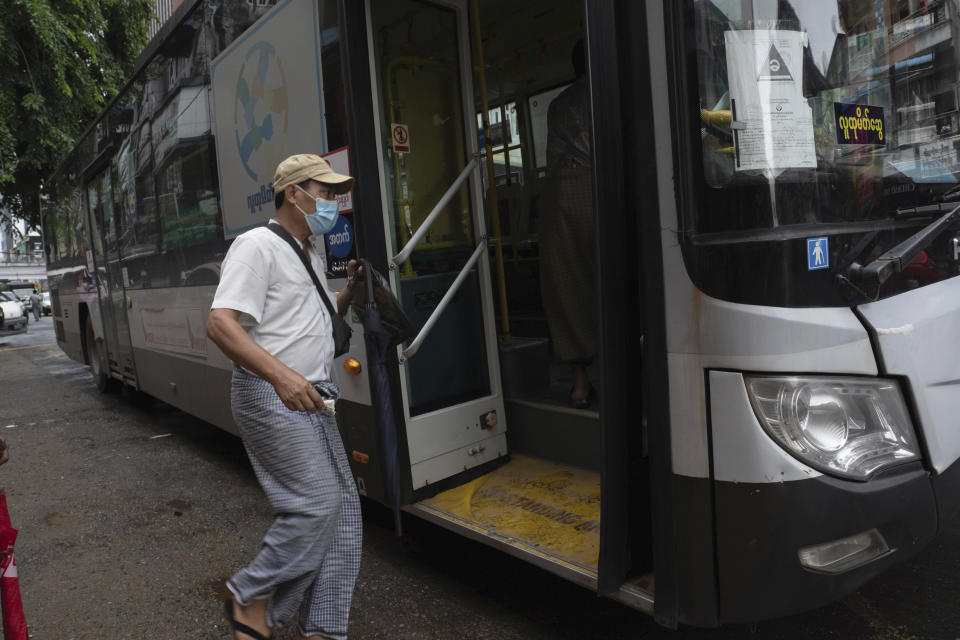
(415,239)
(410,351)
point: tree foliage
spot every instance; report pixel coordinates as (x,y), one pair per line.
(61,62)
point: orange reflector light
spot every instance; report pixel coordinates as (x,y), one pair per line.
(362,458)
(352,365)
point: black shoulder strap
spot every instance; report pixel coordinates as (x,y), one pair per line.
(283,233)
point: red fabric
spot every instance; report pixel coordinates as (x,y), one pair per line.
(14,622)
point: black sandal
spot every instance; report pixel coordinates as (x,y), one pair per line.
(239,626)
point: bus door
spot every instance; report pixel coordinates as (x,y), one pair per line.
(109,278)
(432,195)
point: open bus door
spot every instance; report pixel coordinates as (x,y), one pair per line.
(423,150)
(431,192)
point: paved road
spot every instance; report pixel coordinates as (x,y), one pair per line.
(131,517)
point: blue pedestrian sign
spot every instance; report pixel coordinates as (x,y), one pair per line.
(818,253)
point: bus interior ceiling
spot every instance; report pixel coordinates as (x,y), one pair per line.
(548,495)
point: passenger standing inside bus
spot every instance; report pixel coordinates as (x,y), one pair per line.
(267,316)
(567,255)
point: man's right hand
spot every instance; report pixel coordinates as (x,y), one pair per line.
(296,392)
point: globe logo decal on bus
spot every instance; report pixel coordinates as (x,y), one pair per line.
(261,111)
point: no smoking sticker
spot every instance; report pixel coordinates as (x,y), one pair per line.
(400,136)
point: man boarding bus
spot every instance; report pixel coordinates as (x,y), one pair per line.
(268,318)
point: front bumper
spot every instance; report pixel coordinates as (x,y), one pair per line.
(768,506)
(13,326)
(761,527)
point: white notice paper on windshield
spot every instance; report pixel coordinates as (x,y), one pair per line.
(772,122)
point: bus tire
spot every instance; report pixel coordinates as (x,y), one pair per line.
(98,361)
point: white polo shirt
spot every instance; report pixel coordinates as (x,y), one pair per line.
(263,279)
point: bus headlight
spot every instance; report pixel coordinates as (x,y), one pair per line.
(848,427)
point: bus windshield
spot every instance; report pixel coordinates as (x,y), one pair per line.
(826,119)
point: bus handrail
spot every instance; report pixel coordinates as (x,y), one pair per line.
(417,237)
(411,350)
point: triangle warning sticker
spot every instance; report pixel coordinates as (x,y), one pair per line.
(774,69)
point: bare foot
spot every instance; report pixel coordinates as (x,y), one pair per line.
(581,383)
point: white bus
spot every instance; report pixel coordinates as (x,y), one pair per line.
(770,253)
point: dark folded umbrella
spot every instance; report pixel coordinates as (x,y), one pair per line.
(378,341)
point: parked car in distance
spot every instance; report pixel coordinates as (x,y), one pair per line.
(24,294)
(10,296)
(13,319)
(47,309)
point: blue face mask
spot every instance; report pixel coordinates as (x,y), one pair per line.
(324,218)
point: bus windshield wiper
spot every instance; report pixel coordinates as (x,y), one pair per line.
(924,210)
(896,259)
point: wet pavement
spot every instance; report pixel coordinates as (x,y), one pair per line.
(132,514)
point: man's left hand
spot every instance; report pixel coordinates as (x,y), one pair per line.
(355,276)
(354,272)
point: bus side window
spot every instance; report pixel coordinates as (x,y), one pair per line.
(191,228)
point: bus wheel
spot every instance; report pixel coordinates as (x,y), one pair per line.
(98,364)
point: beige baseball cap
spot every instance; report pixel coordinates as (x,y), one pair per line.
(305,166)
